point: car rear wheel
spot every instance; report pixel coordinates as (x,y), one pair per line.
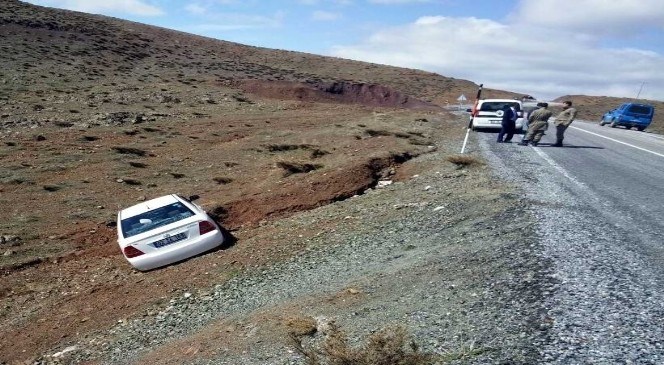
(640,128)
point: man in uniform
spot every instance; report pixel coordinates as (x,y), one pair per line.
(508,125)
(538,122)
(563,120)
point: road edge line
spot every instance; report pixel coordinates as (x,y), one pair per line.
(621,142)
(560,169)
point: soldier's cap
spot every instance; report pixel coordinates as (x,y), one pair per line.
(543,105)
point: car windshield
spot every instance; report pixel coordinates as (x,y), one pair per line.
(154,218)
(639,109)
(493,106)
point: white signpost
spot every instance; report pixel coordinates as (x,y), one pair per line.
(461,99)
(472,116)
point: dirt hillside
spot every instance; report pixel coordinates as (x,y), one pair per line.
(99,113)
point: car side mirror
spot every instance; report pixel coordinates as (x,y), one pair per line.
(193,197)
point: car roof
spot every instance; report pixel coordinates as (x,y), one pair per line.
(639,104)
(501,100)
(148,205)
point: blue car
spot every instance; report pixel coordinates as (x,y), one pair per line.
(629,115)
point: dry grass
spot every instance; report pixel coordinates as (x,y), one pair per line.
(291,168)
(464,160)
(222,180)
(390,346)
(301,326)
(129,151)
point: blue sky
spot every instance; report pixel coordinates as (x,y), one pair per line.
(545,48)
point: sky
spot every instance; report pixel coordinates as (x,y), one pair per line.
(544,48)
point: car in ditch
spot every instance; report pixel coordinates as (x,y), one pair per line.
(629,115)
(489,113)
(165,230)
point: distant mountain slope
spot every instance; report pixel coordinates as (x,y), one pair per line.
(61,66)
(593,107)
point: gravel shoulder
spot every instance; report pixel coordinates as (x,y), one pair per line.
(447,254)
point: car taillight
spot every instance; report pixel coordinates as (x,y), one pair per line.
(205,227)
(131,251)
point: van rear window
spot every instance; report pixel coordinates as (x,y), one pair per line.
(493,106)
(639,109)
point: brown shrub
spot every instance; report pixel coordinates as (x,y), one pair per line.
(297,168)
(374,132)
(464,160)
(222,180)
(286,147)
(316,153)
(301,326)
(129,151)
(139,165)
(390,346)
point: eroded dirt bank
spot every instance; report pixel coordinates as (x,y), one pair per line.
(64,280)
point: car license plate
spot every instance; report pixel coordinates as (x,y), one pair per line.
(169,240)
(495,121)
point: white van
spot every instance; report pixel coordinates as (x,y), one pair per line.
(489,113)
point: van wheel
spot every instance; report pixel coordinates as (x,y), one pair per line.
(640,128)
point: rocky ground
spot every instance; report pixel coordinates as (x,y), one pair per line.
(446,254)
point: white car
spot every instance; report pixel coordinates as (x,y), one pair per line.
(489,113)
(165,230)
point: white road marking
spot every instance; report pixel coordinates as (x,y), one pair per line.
(559,168)
(621,142)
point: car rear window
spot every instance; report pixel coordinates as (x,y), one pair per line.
(155,218)
(493,106)
(639,109)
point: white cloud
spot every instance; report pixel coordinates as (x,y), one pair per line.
(596,15)
(325,16)
(195,9)
(522,58)
(135,7)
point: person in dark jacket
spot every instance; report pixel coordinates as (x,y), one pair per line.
(508,124)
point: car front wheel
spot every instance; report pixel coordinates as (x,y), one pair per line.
(613,124)
(640,128)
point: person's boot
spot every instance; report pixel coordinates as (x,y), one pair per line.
(558,144)
(524,142)
(534,143)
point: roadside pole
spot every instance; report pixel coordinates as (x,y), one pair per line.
(472,117)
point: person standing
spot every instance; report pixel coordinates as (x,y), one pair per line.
(562,121)
(538,122)
(507,125)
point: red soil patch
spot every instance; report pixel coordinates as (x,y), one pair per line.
(336,92)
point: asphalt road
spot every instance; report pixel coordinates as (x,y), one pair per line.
(599,207)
